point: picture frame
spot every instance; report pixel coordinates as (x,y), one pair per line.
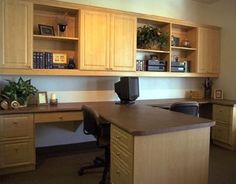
(218,94)
(46,30)
(42,98)
(59,58)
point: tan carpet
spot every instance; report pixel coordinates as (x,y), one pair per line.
(62,169)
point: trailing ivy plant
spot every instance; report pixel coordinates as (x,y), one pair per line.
(149,36)
(19,91)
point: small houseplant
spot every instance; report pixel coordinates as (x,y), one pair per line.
(149,37)
(18,91)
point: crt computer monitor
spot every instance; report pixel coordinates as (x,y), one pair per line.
(127,89)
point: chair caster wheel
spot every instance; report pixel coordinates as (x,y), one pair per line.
(80,172)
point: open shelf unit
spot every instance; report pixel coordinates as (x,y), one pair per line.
(181,52)
(162,54)
(65,43)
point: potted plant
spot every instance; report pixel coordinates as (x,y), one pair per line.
(18,91)
(149,37)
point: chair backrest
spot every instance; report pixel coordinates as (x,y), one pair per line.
(191,108)
(91,121)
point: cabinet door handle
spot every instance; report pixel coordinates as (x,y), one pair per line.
(117,136)
(118,172)
(15,123)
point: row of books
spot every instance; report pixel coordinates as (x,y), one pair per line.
(43,60)
(140,65)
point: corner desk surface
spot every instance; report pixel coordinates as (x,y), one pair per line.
(141,118)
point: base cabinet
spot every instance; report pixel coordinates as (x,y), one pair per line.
(160,158)
(17,152)
(223,133)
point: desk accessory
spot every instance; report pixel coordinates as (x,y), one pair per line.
(53,99)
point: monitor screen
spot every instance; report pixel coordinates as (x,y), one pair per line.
(127,89)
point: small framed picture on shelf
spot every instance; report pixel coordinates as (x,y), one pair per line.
(46,30)
(218,94)
(42,98)
(59,58)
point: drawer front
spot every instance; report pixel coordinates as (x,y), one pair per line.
(16,154)
(222,113)
(16,127)
(125,158)
(220,133)
(120,175)
(122,139)
(58,116)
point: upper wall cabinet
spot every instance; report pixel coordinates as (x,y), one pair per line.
(208,50)
(16,34)
(108,41)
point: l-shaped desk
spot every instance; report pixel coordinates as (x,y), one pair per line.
(148,145)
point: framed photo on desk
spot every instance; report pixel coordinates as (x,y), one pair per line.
(42,98)
(218,94)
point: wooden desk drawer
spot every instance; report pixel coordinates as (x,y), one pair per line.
(125,158)
(120,175)
(16,127)
(58,116)
(220,133)
(16,154)
(122,138)
(222,113)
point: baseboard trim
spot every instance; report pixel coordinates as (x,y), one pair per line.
(65,149)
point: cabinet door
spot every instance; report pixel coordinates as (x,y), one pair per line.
(94,40)
(208,50)
(16,34)
(123,42)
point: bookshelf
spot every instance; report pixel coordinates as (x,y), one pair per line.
(59,44)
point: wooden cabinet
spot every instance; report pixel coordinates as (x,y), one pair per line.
(16,34)
(223,133)
(208,50)
(154,158)
(121,156)
(17,151)
(108,41)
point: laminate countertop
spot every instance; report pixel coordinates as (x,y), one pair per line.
(142,118)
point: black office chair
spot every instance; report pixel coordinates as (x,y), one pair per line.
(94,125)
(191,108)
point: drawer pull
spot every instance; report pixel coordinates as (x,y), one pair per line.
(118,153)
(16,149)
(15,123)
(61,118)
(117,136)
(118,172)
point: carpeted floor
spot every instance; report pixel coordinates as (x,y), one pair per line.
(62,169)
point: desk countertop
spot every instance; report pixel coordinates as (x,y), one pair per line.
(142,118)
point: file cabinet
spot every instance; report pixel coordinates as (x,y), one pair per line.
(121,156)
(16,143)
(223,133)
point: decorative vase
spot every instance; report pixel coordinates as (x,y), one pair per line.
(71,64)
(61,29)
